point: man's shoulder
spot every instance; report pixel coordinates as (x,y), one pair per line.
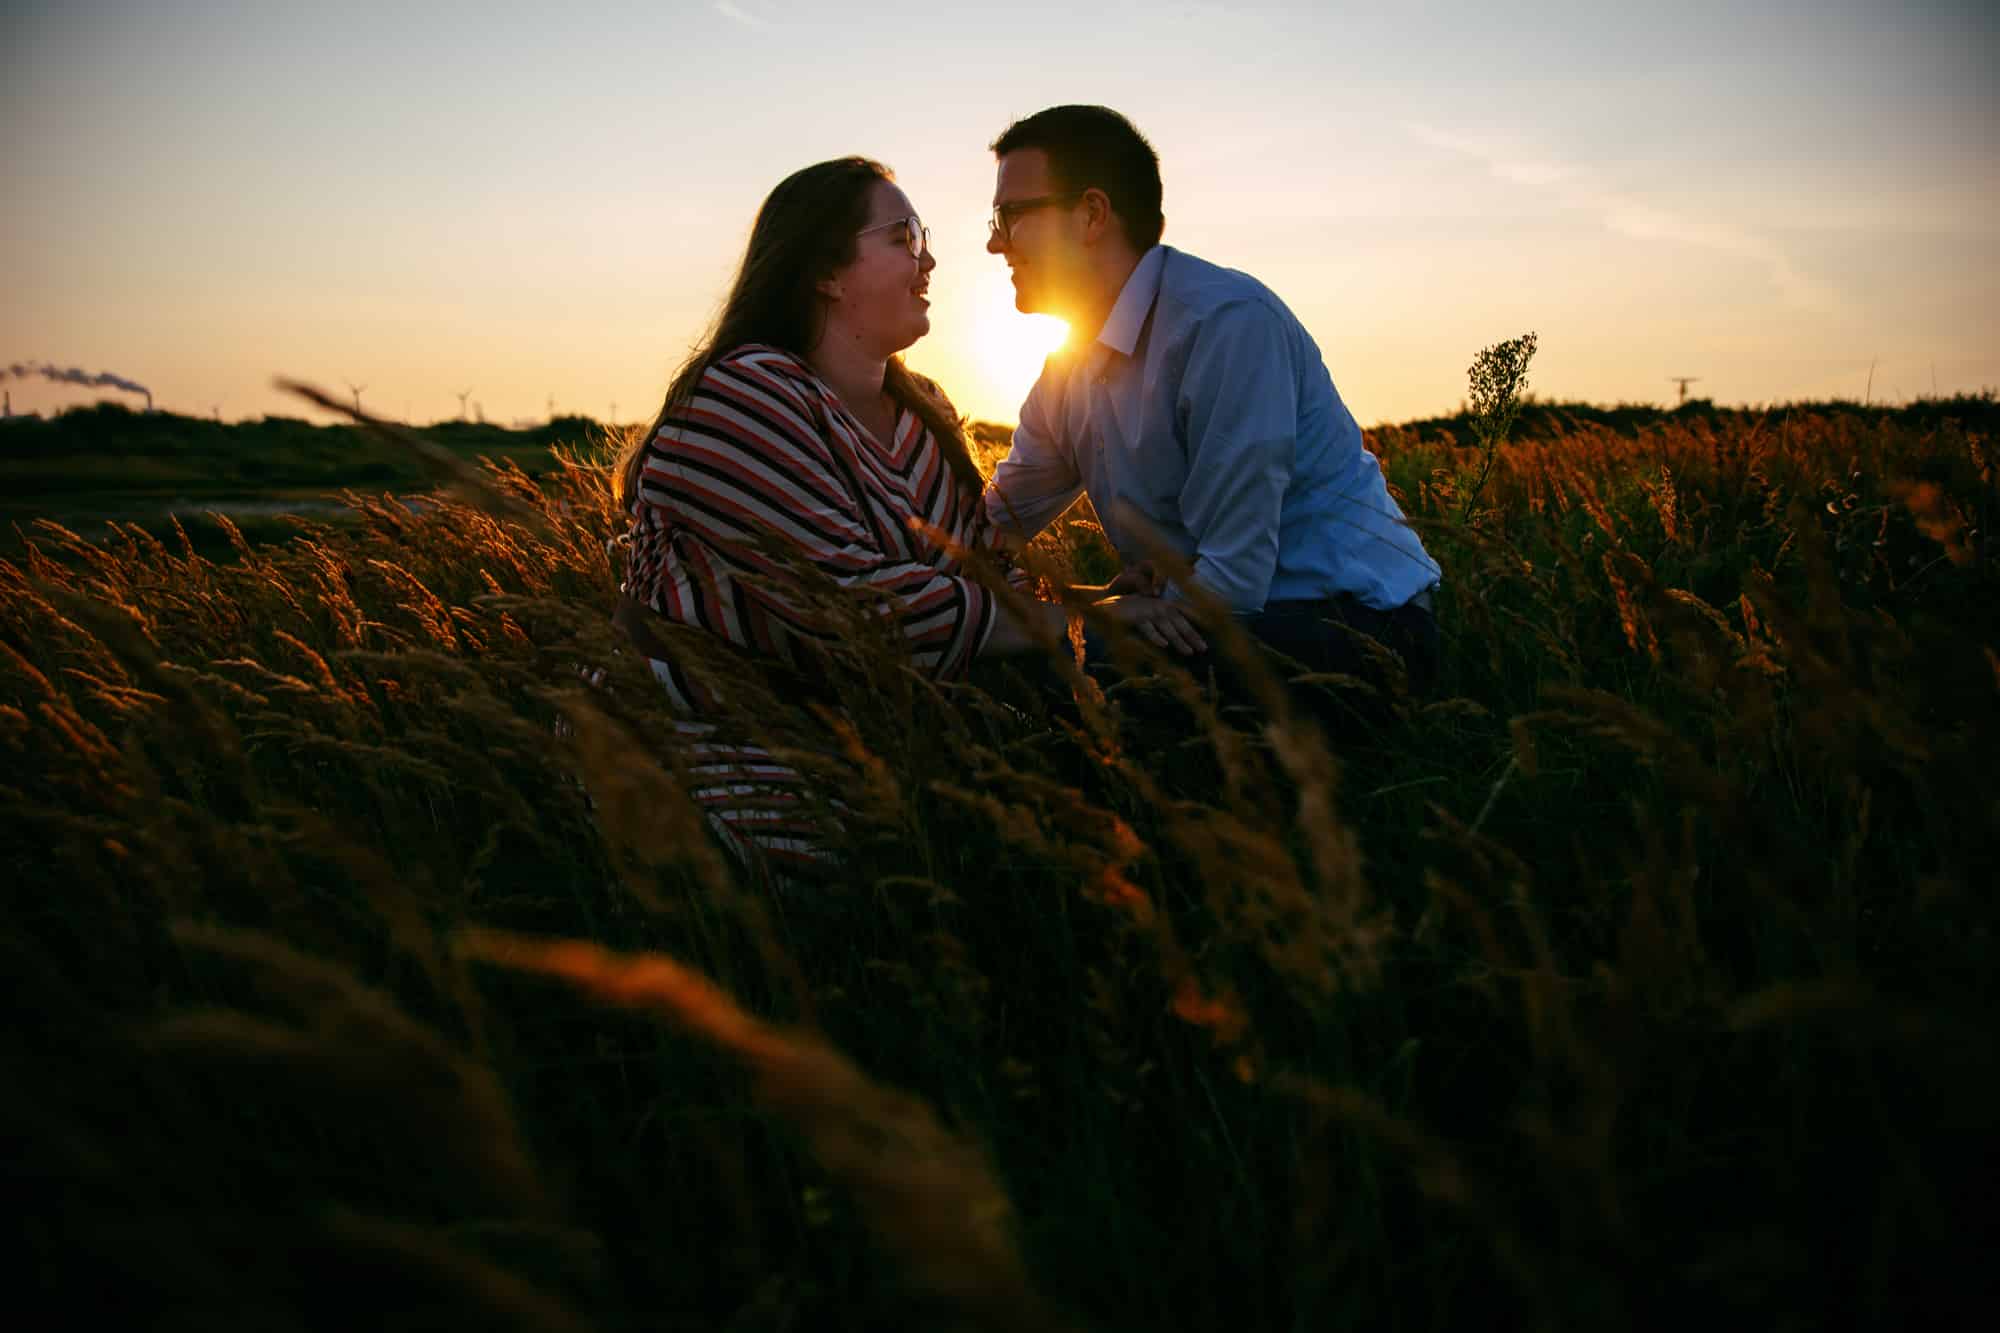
(1198,288)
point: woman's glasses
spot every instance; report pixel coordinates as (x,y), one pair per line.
(916,236)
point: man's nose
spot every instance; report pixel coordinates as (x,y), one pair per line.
(996,244)
(926,261)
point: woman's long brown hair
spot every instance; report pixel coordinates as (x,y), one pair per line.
(804,231)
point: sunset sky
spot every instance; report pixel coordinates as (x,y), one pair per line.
(546,205)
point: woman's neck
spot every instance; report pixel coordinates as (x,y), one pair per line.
(851,370)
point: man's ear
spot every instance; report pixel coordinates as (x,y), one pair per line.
(1097,218)
(829,287)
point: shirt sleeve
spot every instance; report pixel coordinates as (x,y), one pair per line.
(1239,400)
(746,462)
(984,535)
(1037,479)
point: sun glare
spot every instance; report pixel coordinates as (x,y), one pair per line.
(1011,346)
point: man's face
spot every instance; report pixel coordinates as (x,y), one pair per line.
(1043,250)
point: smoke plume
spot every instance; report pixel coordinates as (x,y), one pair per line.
(22,370)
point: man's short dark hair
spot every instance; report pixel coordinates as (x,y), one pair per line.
(1095,147)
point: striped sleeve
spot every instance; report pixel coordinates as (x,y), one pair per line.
(748,459)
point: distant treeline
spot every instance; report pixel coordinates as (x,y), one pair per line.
(108,448)
(1542,419)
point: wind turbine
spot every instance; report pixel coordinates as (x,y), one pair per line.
(1683,381)
(463,394)
(356,389)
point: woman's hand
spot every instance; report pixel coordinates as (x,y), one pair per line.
(1162,623)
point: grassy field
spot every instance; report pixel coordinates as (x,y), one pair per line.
(1647,976)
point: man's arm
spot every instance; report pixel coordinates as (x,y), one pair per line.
(1033,485)
(1037,479)
(1239,398)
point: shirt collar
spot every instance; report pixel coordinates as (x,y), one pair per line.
(1121,329)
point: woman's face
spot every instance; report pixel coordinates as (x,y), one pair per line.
(878,298)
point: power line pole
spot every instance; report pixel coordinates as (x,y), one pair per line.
(1683,381)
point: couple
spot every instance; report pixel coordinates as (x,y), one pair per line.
(1189,404)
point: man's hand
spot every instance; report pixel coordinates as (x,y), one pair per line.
(1162,623)
(1141,579)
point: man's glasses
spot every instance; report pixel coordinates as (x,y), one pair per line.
(1001,226)
(917,237)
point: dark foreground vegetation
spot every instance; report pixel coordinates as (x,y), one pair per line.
(1647,977)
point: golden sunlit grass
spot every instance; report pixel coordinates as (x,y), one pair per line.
(1648,969)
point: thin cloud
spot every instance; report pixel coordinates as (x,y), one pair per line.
(748,20)
(1630,216)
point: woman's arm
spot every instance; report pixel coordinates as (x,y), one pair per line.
(1030,627)
(744,467)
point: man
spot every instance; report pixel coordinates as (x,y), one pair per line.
(1197,414)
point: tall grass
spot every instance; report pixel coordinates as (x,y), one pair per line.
(1647,974)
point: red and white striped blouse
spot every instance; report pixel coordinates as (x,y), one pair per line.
(765,449)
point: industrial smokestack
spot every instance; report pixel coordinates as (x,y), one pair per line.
(22,370)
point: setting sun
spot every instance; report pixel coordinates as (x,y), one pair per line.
(1010,346)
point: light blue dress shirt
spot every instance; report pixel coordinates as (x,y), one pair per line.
(1204,414)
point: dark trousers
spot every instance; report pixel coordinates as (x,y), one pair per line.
(1324,637)
(1332,635)
(1337,635)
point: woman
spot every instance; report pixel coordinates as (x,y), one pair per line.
(793,433)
